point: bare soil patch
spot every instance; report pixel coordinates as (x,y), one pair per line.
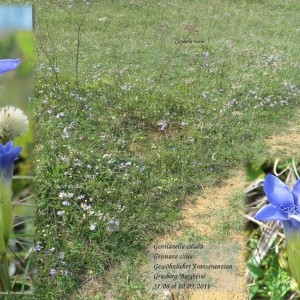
(196,214)
(286,144)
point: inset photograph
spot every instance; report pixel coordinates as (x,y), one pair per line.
(17,206)
(273,227)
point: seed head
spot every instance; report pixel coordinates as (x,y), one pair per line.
(13,123)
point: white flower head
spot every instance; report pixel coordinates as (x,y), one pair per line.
(13,122)
(93,226)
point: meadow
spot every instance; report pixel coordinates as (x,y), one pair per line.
(139,105)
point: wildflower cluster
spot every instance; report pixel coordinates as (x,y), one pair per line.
(60,267)
(95,217)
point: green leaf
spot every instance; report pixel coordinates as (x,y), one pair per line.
(254,170)
(254,268)
(257,163)
(4,280)
(253,291)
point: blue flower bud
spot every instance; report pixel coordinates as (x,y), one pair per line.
(8,154)
(7,65)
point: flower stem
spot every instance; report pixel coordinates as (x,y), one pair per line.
(6,279)
(293,246)
(5,228)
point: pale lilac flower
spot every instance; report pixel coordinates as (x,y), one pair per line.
(163,124)
(38,247)
(52,272)
(113,225)
(206,54)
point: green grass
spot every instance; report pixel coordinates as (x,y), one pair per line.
(231,218)
(107,148)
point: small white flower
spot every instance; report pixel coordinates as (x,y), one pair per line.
(62,195)
(93,226)
(85,206)
(59,115)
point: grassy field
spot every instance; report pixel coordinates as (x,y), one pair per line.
(138,105)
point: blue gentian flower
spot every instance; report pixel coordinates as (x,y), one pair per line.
(7,65)
(285,207)
(8,154)
(284,202)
